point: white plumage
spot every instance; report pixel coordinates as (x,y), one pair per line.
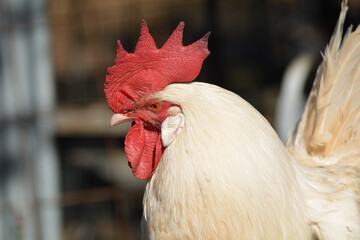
(226,175)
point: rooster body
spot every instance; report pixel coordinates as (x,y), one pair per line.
(271,195)
(215,167)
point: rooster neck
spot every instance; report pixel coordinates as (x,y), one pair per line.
(222,173)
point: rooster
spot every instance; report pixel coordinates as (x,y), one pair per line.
(214,166)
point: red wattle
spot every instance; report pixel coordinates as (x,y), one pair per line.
(143,149)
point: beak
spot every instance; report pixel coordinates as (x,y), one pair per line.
(118,118)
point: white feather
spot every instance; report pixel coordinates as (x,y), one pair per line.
(226,176)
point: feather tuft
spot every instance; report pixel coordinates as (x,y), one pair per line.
(331,119)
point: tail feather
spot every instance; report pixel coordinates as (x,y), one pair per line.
(329,130)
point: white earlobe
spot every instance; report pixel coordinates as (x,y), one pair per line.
(171,128)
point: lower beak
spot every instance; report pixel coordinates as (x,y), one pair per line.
(118,118)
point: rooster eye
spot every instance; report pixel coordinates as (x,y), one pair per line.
(155,107)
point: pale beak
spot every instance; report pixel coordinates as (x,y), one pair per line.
(118,118)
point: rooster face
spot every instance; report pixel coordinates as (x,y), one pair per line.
(134,77)
(155,125)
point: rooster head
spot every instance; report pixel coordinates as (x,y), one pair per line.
(134,77)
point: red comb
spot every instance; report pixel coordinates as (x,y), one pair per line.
(149,69)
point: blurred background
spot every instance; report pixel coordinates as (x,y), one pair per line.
(63,172)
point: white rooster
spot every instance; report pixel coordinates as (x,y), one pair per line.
(215,167)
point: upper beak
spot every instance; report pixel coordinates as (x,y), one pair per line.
(118,118)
